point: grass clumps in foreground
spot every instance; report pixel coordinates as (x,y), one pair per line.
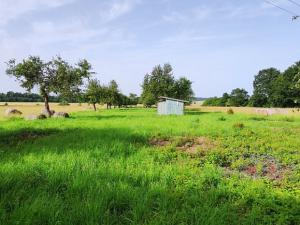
(114,167)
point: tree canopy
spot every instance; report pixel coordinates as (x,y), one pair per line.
(238,97)
(55,76)
(161,82)
(271,88)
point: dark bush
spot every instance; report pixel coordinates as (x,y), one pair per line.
(230,111)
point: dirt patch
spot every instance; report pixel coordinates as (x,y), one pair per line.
(198,145)
(159,141)
(190,145)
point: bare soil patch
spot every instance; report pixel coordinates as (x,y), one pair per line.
(190,145)
(197,145)
(160,141)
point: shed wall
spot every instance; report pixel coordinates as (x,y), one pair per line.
(161,108)
(170,107)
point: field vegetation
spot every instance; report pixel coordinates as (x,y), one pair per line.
(131,166)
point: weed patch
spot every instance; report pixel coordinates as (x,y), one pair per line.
(257,118)
(230,112)
(257,166)
(222,118)
(239,125)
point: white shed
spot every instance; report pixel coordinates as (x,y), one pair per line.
(170,106)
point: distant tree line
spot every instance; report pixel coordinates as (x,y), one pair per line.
(237,97)
(26,97)
(97,93)
(271,88)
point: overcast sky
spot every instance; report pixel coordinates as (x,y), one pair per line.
(219,45)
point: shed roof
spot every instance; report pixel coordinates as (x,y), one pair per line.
(172,99)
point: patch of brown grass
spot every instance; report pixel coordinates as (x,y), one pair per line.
(36,108)
(246,110)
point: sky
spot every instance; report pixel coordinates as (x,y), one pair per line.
(219,45)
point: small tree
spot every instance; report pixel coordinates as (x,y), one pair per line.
(94,92)
(112,96)
(224,100)
(55,76)
(161,82)
(133,99)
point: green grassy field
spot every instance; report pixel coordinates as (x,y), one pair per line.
(134,167)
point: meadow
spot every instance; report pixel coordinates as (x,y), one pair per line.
(131,166)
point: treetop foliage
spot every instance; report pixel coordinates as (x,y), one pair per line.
(54,76)
(271,88)
(161,82)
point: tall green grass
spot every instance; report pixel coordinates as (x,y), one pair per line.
(99,168)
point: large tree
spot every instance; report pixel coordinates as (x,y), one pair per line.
(161,82)
(183,89)
(55,76)
(264,84)
(289,88)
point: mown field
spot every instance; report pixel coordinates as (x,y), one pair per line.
(36,108)
(135,167)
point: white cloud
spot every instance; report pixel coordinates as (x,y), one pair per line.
(70,31)
(226,11)
(197,14)
(12,9)
(118,8)
(188,36)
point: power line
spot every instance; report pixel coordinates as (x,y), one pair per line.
(295,3)
(279,7)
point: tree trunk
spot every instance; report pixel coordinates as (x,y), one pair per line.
(94,105)
(47,107)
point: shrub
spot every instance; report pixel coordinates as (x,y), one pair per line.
(230,111)
(222,118)
(41,117)
(239,125)
(5,104)
(63,103)
(257,118)
(289,119)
